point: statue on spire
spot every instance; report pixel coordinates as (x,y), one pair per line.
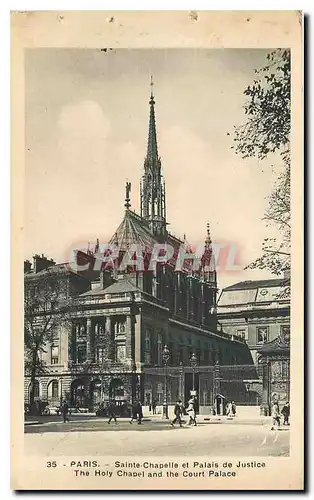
(127,195)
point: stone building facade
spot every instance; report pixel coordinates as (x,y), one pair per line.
(124,316)
(259,313)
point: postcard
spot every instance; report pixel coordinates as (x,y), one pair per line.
(157,246)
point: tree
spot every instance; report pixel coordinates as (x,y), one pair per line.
(47,306)
(266,132)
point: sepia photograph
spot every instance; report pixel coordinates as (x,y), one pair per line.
(157,249)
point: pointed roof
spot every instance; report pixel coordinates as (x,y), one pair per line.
(133,230)
(152,150)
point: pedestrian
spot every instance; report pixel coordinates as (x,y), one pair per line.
(177,412)
(229,409)
(233,409)
(112,412)
(65,411)
(286,413)
(134,412)
(154,406)
(191,412)
(140,413)
(275,415)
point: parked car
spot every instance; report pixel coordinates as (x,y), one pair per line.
(121,410)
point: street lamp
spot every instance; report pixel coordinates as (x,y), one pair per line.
(193,362)
(181,380)
(165,358)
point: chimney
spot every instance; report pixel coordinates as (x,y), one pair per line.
(41,262)
(105,279)
(27,266)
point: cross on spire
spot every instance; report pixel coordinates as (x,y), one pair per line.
(151,86)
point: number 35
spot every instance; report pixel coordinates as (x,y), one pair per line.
(52,464)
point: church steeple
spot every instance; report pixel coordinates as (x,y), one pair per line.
(152,150)
(153,205)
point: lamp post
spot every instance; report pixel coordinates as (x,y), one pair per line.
(193,362)
(181,381)
(165,358)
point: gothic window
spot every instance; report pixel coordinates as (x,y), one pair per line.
(55,389)
(54,354)
(262,334)
(81,352)
(120,353)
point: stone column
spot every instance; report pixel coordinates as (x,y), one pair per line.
(89,339)
(128,338)
(108,338)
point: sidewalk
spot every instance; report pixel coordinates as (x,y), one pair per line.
(223,419)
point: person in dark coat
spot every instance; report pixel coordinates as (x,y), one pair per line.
(134,411)
(177,412)
(154,406)
(140,413)
(65,411)
(112,412)
(286,413)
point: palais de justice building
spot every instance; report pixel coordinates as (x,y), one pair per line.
(122,320)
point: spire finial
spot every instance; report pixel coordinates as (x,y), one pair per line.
(151,86)
(208,238)
(127,195)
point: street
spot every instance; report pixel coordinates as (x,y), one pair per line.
(94,437)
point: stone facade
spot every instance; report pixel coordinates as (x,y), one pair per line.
(122,319)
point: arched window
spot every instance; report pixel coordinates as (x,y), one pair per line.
(55,389)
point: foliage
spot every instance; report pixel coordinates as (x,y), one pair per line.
(266,132)
(46,309)
(267,128)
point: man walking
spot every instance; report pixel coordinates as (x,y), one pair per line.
(65,411)
(140,413)
(177,412)
(112,412)
(134,411)
(286,413)
(154,405)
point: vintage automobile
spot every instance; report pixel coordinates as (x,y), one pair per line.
(121,409)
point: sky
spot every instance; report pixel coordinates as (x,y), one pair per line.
(86,127)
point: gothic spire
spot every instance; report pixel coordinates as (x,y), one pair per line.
(152,151)
(153,203)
